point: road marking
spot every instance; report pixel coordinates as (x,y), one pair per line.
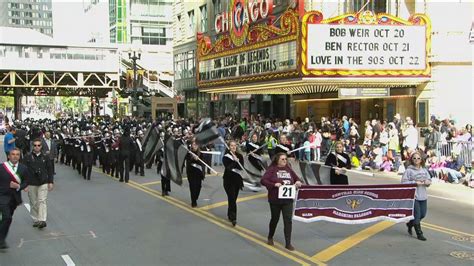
(55,236)
(445,230)
(346,244)
(185,206)
(463,255)
(224,203)
(27,206)
(444,198)
(150,183)
(459,245)
(68,260)
(224,225)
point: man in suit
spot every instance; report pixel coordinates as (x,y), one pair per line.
(13,179)
(49,147)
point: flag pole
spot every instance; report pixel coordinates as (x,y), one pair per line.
(347,170)
(199,159)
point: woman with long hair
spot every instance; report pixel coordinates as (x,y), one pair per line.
(340,160)
(232,179)
(278,174)
(417,174)
(195,171)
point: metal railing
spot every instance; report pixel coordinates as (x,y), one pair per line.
(460,149)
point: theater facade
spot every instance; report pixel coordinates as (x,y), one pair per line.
(302,64)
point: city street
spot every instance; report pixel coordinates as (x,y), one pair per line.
(104,222)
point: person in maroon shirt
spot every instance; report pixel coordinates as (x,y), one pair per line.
(278,174)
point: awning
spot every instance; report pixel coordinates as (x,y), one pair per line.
(315,85)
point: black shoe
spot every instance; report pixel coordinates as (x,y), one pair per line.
(419,233)
(194,204)
(120,180)
(410,227)
(41,225)
(270,241)
(142,174)
(290,247)
(234,222)
(164,193)
(36,224)
(3,245)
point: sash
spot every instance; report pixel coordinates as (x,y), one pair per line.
(228,155)
(14,176)
(237,171)
(283,147)
(139,144)
(254,145)
(340,157)
(256,156)
(197,166)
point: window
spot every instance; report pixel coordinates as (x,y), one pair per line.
(217,7)
(192,23)
(422,113)
(203,18)
(379,6)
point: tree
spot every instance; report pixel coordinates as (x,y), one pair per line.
(6,102)
(45,103)
(75,105)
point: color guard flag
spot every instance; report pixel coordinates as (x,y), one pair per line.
(175,154)
(312,173)
(206,132)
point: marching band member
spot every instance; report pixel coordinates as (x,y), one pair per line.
(232,179)
(195,170)
(341,160)
(87,153)
(139,160)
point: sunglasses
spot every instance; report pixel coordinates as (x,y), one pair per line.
(37,145)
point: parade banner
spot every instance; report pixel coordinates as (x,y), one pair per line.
(355,204)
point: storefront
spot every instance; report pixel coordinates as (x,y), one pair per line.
(364,66)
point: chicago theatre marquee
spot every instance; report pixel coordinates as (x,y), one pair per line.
(301,64)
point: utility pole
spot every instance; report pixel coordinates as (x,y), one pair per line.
(134,56)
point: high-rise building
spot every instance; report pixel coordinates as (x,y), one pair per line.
(33,14)
(146,22)
(96,20)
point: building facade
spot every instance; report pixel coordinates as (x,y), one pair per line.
(197,17)
(434,66)
(142,22)
(32,14)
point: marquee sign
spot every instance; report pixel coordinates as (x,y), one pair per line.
(276,58)
(255,48)
(365,45)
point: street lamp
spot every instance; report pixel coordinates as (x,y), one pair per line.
(134,56)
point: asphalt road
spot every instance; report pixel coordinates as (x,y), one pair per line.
(104,222)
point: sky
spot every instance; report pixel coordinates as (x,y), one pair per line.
(70,24)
